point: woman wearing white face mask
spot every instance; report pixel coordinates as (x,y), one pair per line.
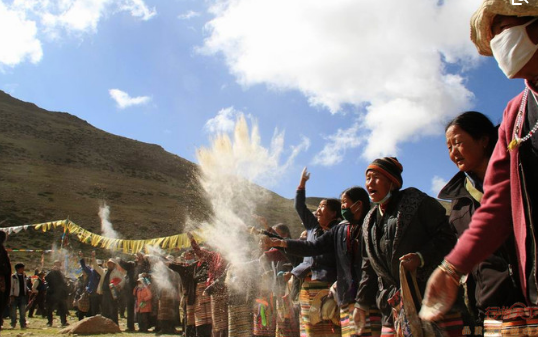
(510,202)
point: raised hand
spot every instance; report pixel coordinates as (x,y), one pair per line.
(266,242)
(305,175)
(261,220)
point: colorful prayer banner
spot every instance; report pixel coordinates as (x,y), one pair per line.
(178,241)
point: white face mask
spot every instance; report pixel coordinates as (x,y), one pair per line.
(513,48)
(384,200)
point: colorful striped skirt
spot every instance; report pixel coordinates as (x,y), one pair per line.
(287,323)
(264,316)
(202,306)
(349,329)
(219,310)
(309,290)
(190,314)
(167,309)
(450,326)
(518,320)
(240,320)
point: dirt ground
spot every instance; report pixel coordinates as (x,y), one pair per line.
(37,326)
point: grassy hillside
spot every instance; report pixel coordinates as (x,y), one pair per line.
(54,165)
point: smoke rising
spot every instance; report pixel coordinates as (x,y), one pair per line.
(106,226)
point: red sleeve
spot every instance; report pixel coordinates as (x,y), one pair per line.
(274,254)
(219,265)
(491,224)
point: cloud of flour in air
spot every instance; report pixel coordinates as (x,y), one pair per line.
(165,279)
(230,169)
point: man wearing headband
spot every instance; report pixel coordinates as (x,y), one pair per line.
(510,34)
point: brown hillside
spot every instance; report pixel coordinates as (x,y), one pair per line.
(54,165)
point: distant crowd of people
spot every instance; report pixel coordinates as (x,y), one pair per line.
(22,296)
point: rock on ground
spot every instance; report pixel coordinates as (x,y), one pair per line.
(91,326)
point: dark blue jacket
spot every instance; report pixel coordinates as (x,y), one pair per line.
(93,278)
(323,266)
(347,249)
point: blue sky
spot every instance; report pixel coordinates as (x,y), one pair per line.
(345,80)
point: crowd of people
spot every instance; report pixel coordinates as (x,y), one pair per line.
(381,260)
(22,296)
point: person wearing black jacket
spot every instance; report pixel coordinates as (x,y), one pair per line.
(406,229)
(39,289)
(471,138)
(5,277)
(133,270)
(193,278)
(56,294)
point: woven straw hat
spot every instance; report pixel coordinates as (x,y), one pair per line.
(483,18)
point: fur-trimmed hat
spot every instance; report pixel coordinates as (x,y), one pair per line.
(389,167)
(482,19)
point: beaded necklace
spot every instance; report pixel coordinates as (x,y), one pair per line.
(516,141)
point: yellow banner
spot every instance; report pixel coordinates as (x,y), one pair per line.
(178,241)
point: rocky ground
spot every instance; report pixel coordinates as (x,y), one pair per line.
(37,326)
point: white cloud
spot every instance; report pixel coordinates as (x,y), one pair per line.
(79,15)
(188,15)
(24,23)
(17,38)
(335,149)
(138,9)
(296,149)
(224,121)
(437,184)
(387,58)
(84,15)
(123,100)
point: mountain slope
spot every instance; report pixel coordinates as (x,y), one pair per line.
(54,165)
